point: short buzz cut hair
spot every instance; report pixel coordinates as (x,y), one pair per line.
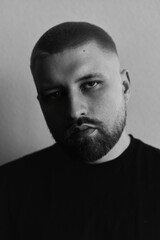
(70,35)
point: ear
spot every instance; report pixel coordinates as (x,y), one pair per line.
(126,84)
(38,97)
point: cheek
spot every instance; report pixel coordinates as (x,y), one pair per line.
(107,106)
(53,119)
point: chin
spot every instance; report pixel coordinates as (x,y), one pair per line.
(92,148)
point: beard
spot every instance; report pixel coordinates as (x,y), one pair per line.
(90,148)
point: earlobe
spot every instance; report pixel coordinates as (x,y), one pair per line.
(126,83)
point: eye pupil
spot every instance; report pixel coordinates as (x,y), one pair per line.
(91,84)
(57,93)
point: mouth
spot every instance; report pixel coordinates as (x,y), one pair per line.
(85,129)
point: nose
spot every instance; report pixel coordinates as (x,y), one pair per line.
(78,106)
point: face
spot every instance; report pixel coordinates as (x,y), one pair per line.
(83,98)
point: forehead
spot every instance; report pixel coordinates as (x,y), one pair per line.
(80,60)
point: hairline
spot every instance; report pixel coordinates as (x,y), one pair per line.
(39,54)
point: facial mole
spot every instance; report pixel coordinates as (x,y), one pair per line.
(84,50)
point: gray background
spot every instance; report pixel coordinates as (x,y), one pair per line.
(133,24)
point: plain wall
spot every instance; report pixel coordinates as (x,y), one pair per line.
(133,24)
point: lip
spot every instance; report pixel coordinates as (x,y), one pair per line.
(85,130)
(85,127)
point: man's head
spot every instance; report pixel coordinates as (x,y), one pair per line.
(81,90)
(70,35)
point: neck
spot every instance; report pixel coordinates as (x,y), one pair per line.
(117,150)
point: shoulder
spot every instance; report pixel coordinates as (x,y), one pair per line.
(29,159)
(143,149)
(39,164)
(147,158)
(30,166)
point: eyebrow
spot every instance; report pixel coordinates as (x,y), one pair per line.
(89,76)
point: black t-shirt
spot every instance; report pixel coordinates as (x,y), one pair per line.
(49,195)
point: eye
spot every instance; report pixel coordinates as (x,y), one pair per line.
(51,96)
(90,85)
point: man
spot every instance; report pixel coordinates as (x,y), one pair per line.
(96,182)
